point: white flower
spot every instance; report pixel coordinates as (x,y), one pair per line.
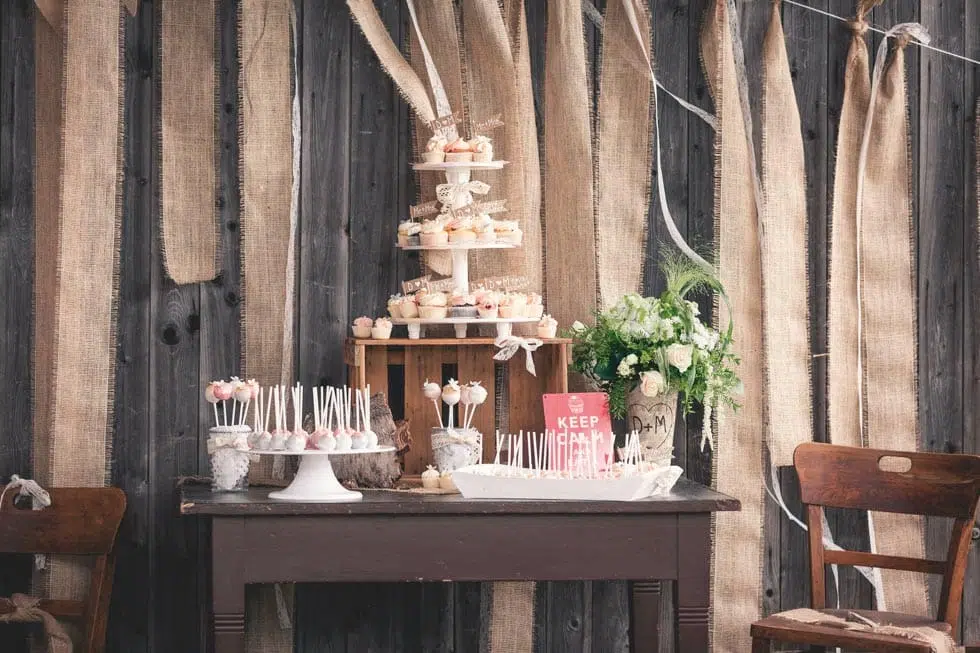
(625,367)
(680,356)
(652,384)
(695,309)
(577,327)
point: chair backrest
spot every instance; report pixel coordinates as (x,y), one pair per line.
(927,484)
(79,522)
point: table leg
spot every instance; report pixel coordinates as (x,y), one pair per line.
(645,616)
(693,582)
(228,589)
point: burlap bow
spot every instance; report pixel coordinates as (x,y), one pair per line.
(510,344)
(21,608)
(448,194)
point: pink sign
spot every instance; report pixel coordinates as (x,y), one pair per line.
(571,421)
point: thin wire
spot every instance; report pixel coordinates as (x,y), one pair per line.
(881,31)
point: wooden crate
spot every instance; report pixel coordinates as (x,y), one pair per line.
(399,367)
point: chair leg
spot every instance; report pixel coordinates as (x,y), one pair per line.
(760,645)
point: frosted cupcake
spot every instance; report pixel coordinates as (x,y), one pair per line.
(508,231)
(463,305)
(459,151)
(381,329)
(519,302)
(362,327)
(506,307)
(433,306)
(482,149)
(461,231)
(435,149)
(408,233)
(535,307)
(430,478)
(547,327)
(433,234)
(488,309)
(408,307)
(395,305)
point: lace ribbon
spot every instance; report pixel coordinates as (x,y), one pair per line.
(21,608)
(448,194)
(236,441)
(510,344)
(455,437)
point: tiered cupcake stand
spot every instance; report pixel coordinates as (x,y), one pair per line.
(459,173)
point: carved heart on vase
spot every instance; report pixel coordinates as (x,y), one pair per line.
(653,419)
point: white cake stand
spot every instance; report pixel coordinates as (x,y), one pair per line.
(315,481)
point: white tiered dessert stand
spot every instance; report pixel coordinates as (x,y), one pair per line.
(459,173)
(315,481)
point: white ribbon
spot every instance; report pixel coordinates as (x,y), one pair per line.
(39,499)
(236,441)
(510,344)
(448,194)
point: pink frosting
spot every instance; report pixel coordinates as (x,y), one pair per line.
(363,321)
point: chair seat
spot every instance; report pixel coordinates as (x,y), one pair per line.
(778,628)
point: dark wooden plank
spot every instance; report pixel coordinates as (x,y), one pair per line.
(130,615)
(568,619)
(610,616)
(471,619)
(175,436)
(435,616)
(16,270)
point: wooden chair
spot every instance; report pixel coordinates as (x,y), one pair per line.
(943,485)
(79,522)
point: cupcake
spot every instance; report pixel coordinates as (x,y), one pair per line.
(362,327)
(435,149)
(409,309)
(487,309)
(433,234)
(535,308)
(408,233)
(506,307)
(508,231)
(432,306)
(381,329)
(430,478)
(482,149)
(463,305)
(446,481)
(519,302)
(459,151)
(461,231)
(395,305)
(547,327)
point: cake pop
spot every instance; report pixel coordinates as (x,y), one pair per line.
(297,439)
(341,434)
(369,434)
(212,398)
(450,396)
(478,395)
(241,395)
(433,393)
(357,439)
(223,391)
(280,434)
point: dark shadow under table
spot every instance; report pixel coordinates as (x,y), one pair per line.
(449,538)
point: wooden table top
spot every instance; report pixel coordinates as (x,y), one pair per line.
(686,497)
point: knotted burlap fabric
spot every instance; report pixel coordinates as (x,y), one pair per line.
(939,641)
(189,153)
(736,566)
(784,255)
(623,153)
(21,608)
(569,217)
(268,231)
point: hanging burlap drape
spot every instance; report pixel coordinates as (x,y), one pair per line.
(77,222)
(268,230)
(789,420)
(736,569)
(188,148)
(624,154)
(842,372)
(568,199)
(889,319)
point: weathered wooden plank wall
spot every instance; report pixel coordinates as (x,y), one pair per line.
(355,186)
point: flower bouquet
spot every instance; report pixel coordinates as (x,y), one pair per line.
(647,353)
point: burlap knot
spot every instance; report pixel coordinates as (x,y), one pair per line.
(21,608)
(448,194)
(510,344)
(939,641)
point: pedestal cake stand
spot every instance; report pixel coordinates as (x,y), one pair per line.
(315,481)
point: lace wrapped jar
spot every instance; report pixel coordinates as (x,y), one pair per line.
(455,448)
(228,448)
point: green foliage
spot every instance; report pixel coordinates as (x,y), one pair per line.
(659,344)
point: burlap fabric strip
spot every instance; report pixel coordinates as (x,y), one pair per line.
(736,566)
(79,139)
(784,255)
(939,641)
(623,153)
(20,608)
(268,226)
(888,312)
(843,388)
(438,25)
(188,147)
(491,88)
(512,618)
(569,216)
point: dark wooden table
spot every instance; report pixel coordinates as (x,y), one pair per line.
(449,538)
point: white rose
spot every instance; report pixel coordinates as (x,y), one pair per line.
(624,368)
(578,327)
(652,384)
(679,356)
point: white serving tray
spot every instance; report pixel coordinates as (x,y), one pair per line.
(477,482)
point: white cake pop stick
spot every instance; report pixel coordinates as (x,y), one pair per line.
(500,441)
